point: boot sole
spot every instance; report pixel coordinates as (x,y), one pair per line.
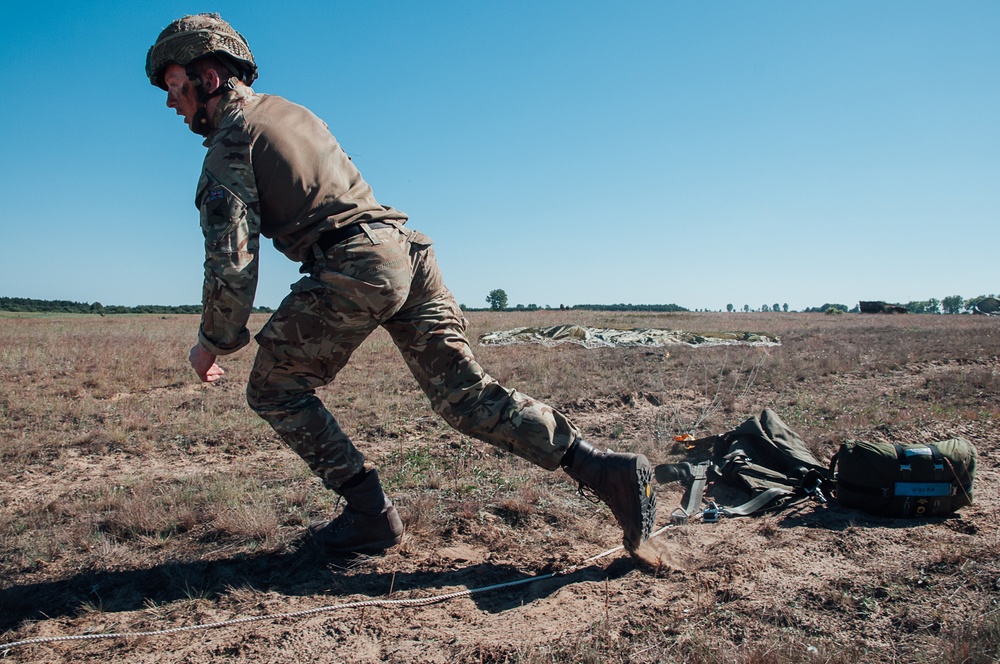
(646,505)
(316,530)
(374,547)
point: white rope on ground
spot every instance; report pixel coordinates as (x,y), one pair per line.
(416,601)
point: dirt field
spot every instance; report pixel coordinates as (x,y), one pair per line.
(135,499)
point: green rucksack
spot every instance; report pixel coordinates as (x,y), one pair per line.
(931,479)
(768,460)
(763,457)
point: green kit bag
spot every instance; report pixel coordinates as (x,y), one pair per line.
(931,479)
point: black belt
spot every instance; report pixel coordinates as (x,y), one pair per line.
(338,235)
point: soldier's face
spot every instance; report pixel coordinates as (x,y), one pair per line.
(180,93)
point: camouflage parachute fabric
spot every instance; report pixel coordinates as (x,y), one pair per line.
(988,305)
(593,337)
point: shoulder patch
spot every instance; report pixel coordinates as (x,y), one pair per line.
(215,194)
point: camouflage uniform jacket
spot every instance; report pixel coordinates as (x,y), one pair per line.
(273,169)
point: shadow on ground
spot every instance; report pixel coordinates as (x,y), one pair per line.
(833,517)
(301,572)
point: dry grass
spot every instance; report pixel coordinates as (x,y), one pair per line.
(134,497)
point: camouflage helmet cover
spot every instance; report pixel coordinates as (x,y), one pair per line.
(192,37)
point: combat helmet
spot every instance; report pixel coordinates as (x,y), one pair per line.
(195,36)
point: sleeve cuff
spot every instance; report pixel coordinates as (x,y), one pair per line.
(216,349)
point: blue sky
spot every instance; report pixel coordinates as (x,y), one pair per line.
(697,153)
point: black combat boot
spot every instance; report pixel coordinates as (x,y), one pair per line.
(368,524)
(622,481)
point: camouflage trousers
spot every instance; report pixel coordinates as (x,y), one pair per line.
(386,277)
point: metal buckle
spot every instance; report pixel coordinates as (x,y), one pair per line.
(679,517)
(814,489)
(710,514)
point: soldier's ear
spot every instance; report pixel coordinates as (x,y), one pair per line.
(210,80)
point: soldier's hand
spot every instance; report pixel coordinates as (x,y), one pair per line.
(204,364)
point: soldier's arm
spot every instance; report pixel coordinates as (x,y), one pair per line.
(231,228)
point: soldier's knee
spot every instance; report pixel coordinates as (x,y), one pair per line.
(265,402)
(270,404)
(256,401)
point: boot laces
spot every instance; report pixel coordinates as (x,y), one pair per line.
(589,494)
(343,521)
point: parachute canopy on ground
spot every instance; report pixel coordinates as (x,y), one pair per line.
(593,337)
(988,305)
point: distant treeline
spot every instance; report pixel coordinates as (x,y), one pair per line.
(588,307)
(953,304)
(629,307)
(28,305)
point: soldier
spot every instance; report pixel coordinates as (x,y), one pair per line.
(274,169)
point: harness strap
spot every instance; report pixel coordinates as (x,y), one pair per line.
(697,491)
(758,502)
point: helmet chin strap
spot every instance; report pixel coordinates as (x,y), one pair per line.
(201,124)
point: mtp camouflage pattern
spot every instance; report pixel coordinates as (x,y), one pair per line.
(261,179)
(192,37)
(230,221)
(305,185)
(388,277)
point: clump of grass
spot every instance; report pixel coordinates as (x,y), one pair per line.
(518,509)
(255,522)
(715,380)
(973,640)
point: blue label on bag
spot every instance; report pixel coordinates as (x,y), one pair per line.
(923,489)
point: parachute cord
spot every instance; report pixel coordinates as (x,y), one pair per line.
(416,601)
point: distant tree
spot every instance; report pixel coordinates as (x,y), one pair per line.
(931,306)
(729,308)
(820,310)
(765,308)
(497,299)
(784,307)
(952,304)
(746,308)
(775,307)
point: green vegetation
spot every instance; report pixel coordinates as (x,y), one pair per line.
(824,308)
(629,307)
(497,299)
(28,305)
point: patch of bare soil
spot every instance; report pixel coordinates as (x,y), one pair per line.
(155,506)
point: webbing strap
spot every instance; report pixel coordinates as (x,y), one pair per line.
(758,502)
(700,475)
(903,455)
